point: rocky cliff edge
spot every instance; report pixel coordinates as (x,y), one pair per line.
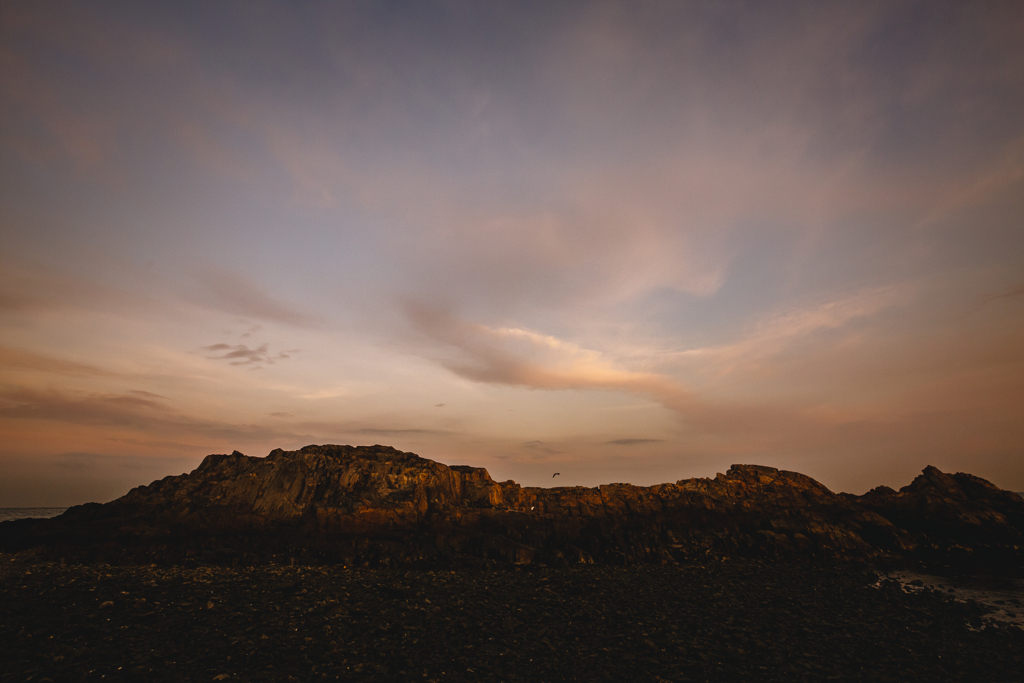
(379,505)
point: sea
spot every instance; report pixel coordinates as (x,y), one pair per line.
(7,514)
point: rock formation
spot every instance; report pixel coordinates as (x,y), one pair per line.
(380,505)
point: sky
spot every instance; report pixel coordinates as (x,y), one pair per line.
(624,241)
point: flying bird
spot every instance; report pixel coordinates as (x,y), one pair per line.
(555,475)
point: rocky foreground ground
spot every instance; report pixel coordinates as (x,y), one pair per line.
(732,620)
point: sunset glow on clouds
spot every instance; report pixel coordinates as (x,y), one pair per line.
(622,241)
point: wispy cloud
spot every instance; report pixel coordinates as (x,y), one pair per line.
(632,442)
(88,463)
(1011,294)
(518,357)
(1003,173)
(240,354)
(139,411)
(770,335)
(482,354)
(26,360)
(539,448)
(34,288)
(402,432)
(235,294)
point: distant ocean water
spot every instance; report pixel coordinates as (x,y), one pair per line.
(7,514)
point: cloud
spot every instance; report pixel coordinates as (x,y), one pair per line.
(240,354)
(75,115)
(492,355)
(26,360)
(234,294)
(541,448)
(85,463)
(1011,294)
(139,411)
(127,409)
(140,422)
(775,331)
(523,358)
(602,186)
(1005,172)
(754,420)
(633,442)
(148,395)
(27,287)
(403,432)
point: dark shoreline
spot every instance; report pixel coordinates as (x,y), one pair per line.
(717,621)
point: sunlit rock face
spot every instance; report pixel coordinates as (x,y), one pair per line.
(380,505)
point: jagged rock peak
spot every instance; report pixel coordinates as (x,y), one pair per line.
(762,474)
(339,454)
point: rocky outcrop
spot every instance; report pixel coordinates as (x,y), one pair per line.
(953,518)
(379,505)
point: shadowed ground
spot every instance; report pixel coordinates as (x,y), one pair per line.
(719,621)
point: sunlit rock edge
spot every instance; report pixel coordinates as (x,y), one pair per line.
(378,505)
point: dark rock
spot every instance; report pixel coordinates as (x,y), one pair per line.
(378,505)
(955,519)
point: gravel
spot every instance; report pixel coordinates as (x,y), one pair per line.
(722,621)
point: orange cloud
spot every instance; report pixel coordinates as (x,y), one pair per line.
(232,293)
(484,355)
(26,360)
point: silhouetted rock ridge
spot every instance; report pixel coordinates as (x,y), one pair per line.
(377,504)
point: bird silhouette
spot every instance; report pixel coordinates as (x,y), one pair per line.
(555,475)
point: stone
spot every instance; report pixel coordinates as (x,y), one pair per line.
(377,505)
